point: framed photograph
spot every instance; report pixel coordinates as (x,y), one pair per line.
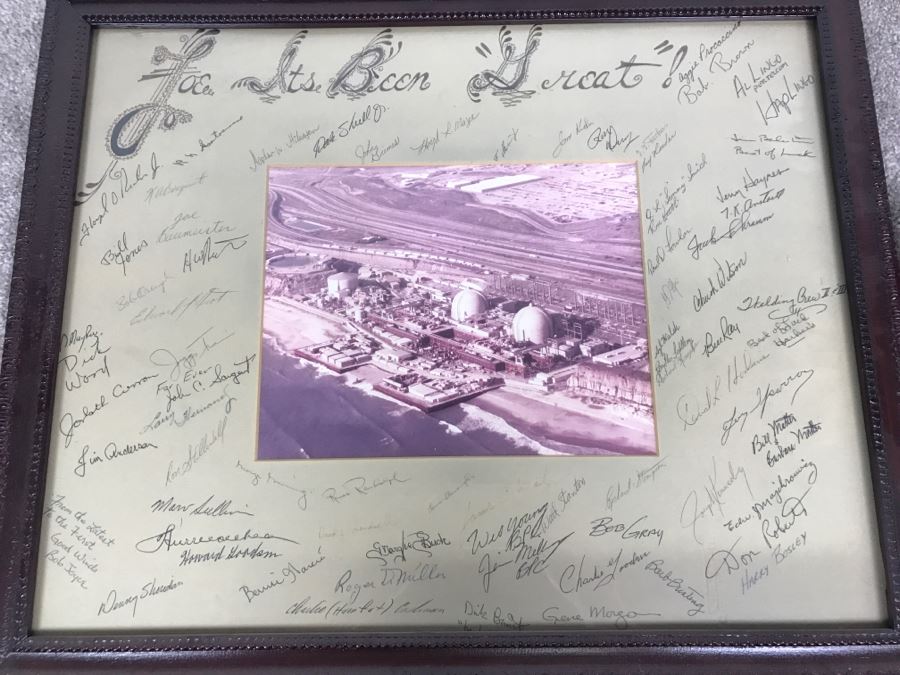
(452,337)
(510,297)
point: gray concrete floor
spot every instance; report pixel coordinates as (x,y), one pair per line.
(20,25)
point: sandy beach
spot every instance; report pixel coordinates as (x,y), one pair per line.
(294,325)
(601,433)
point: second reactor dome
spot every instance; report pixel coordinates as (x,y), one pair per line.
(532,324)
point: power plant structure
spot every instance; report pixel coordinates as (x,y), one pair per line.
(342,284)
(532,324)
(466,304)
(438,345)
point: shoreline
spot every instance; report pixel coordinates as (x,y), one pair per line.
(576,431)
(543,423)
(280,320)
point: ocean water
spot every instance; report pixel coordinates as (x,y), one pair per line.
(306,413)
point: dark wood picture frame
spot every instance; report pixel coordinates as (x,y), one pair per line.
(33,340)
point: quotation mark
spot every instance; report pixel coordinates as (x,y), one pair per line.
(663,47)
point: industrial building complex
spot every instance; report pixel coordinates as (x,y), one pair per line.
(439,285)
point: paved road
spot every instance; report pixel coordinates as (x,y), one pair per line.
(333,203)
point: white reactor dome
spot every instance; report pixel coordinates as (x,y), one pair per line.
(468,302)
(532,324)
(342,282)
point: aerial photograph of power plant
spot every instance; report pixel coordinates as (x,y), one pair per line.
(469,310)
